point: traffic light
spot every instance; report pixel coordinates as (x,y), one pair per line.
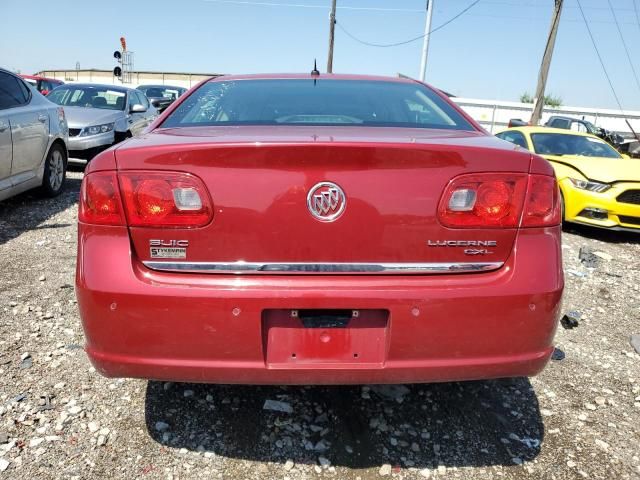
(125,62)
(118,56)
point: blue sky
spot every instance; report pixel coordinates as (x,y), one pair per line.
(493,51)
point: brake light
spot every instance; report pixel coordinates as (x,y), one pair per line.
(483,200)
(542,206)
(500,200)
(165,199)
(100,200)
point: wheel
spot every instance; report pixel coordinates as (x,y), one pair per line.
(55,171)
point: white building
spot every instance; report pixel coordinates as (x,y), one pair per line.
(495,115)
(92,75)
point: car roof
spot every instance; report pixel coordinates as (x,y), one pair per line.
(4,70)
(117,88)
(536,129)
(573,119)
(159,86)
(38,77)
(16,75)
(306,76)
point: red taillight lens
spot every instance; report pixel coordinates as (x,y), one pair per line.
(165,199)
(100,200)
(500,200)
(154,199)
(493,200)
(483,200)
(542,206)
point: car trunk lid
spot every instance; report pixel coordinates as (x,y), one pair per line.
(263,184)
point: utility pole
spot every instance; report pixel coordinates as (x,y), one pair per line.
(546,62)
(425,40)
(332,32)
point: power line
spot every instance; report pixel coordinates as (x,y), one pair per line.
(624,44)
(635,8)
(541,19)
(520,4)
(409,10)
(385,45)
(595,47)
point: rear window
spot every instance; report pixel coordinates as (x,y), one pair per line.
(162,92)
(316,102)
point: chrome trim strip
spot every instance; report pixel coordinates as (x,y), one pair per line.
(238,268)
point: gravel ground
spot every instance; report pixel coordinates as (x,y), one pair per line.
(59,419)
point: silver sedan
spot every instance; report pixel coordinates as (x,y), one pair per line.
(101,115)
(33,139)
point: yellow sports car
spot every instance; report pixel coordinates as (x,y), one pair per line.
(599,186)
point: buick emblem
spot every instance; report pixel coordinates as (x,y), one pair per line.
(326,201)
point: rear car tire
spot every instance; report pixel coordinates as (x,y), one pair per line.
(55,171)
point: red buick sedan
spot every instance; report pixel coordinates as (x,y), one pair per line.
(318,229)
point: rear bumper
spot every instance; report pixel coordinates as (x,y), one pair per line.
(211,328)
(255,373)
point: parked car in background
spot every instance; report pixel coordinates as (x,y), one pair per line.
(33,136)
(584,126)
(310,229)
(161,96)
(517,122)
(599,186)
(43,84)
(101,115)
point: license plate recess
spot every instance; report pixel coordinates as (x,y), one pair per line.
(299,337)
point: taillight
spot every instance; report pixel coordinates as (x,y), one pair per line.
(165,199)
(100,200)
(542,207)
(500,200)
(483,200)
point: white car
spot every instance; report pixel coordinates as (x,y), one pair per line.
(33,139)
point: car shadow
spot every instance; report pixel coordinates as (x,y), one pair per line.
(30,210)
(480,423)
(604,235)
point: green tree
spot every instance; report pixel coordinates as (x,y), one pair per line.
(549,100)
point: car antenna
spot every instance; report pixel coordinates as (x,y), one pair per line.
(315,73)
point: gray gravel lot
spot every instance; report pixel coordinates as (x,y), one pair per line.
(59,419)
